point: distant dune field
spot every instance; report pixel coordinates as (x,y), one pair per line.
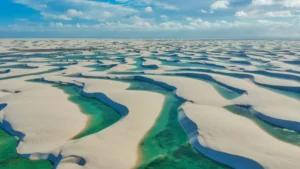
(149,104)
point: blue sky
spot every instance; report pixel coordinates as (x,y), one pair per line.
(151,18)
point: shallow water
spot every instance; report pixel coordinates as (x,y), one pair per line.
(295,95)
(62,64)
(283,134)
(223,91)
(100,115)
(140,67)
(9,158)
(30,74)
(18,66)
(101,68)
(166,145)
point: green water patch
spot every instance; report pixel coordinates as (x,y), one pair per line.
(185,157)
(100,115)
(178,63)
(166,145)
(282,134)
(18,66)
(295,95)
(30,74)
(140,67)
(78,57)
(225,92)
(9,159)
(63,64)
(101,68)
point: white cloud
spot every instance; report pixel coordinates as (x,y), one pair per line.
(291,3)
(201,24)
(167,6)
(148,9)
(74,13)
(263,2)
(275,24)
(171,25)
(250,28)
(22,19)
(160,4)
(279,14)
(285,3)
(241,14)
(88,9)
(164,17)
(123,17)
(32,4)
(221,4)
(78,25)
(59,25)
(122,1)
(140,22)
(101,11)
(56,16)
(260,14)
(188,18)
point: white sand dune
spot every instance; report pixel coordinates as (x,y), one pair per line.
(269,104)
(42,113)
(123,137)
(222,131)
(21,72)
(139,120)
(148,62)
(198,91)
(266,102)
(92,85)
(46,121)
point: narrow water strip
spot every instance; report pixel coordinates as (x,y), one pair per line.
(30,74)
(282,134)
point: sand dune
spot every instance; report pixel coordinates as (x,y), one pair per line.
(221,132)
(136,78)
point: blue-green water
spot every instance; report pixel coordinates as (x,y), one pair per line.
(283,134)
(30,74)
(101,68)
(191,64)
(10,159)
(62,64)
(167,145)
(295,95)
(225,92)
(140,67)
(100,115)
(18,66)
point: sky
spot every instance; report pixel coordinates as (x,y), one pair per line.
(216,19)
